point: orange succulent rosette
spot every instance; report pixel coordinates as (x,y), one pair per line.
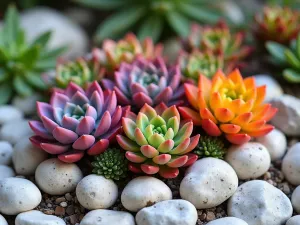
(229,105)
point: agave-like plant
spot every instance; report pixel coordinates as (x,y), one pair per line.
(77,121)
(127,50)
(229,106)
(276,23)
(151,16)
(156,141)
(147,81)
(82,71)
(219,40)
(22,63)
(287,58)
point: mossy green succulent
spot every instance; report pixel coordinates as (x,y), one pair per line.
(209,146)
(111,164)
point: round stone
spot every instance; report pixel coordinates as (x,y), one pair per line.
(108,217)
(13,131)
(275,142)
(6,171)
(296,199)
(295,220)
(144,191)
(96,192)
(3,220)
(9,113)
(6,151)
(258,202)
(291,164)
(27,104)
(35,217)
(27,157)
(18,195)
(208,183)
(273,87)
(228,221)
(170,212)
(56,177)
(250,160)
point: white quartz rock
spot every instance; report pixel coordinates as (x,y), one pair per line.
(35,217)
(3,220)
(27,157)
(107,217)
(6,152)
(6,171)
(228,221)
(169,212)
(275,142)
(296,199)
(208,183)
(37,20)
(27,105)
(18,195)
(56,177)
(9,113)
(13,131)
(273,87)
(295,220)
(250,160)
(259,203)
(144,191)
(291,164)
(287,119)
(96,192)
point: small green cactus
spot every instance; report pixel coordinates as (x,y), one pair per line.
(209,146)
(111,164)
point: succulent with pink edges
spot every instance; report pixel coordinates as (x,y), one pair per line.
(156,141)
(77,121)
(146,81)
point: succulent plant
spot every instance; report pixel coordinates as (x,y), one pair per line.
(288,58)
(209,146)
(217,40)
(77,121)
(146,81)
(279,24)
(196,63)
(156,142)
(82,71)
(150,16)
(21,62)
(127,50)
(111,164)
(229,105)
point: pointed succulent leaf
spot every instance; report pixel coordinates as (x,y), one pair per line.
(170,112)
(169,134)
(162,159)
(129,127)
(43,39)
(173,123)
(127,144)
(177,161)
(135,157)
(149,151)
(276,50)
(166,146)
(148,111)
(157,121)
(181,147)
(142,121)
(183,133)
(292,59)
(148,132)
(155,140)
(152,26)
(291,75)
(139,137)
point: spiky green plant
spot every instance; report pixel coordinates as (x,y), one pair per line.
(209,146)
(288,58)
(111,164)
(151,16)
(22,63)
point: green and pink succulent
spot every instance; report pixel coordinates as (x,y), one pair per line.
(157,141)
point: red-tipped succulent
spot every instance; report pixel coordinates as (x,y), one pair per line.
(77,121)
(156,141)
(147,81)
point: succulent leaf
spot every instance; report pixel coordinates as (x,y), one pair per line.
(209,146)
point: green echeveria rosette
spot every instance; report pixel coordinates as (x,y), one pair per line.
(22,63)
(287,58)
(111,164)
(209,146)
(157,142)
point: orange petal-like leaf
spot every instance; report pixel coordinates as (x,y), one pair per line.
(190,114)
(191,92)
(242,119)
(238,139)
(270,114)
(253,126)
(262,131)
(230,128)
(236,77)
(206,114)
(224,115)
(211,128)
(249,83)
(215,101)
(260,95)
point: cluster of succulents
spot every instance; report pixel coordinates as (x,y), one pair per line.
(276,23)
(288,58)
(229,106)
(22,63)
(77,121)
(209,146)
(152,15)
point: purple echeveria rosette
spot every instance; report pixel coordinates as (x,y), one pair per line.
(147,81)
(77,121)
